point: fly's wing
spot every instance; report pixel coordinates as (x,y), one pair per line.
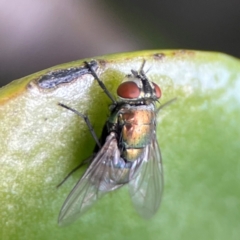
(146,186)
(101,177)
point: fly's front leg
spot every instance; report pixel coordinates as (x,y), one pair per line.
(101,84)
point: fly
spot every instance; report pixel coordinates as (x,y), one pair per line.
(128,151)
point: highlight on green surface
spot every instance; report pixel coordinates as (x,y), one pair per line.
(198,136)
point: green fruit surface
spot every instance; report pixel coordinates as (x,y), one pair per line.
(199,137)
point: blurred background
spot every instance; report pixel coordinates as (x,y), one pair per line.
(38,34)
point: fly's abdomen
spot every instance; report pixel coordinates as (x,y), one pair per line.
(138,124)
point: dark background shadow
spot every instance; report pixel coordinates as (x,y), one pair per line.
(39,34)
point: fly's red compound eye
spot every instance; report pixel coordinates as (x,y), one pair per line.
(128,90)
(158,91)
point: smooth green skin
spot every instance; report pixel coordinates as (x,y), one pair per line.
(198,135)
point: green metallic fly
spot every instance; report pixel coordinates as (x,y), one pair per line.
(128,152)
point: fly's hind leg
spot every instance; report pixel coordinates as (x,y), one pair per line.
(86,161)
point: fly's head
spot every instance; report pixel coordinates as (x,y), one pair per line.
(137,89)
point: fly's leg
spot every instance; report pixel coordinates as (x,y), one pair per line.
(165,104)
(101,84)
(75,169)
(86,119)
(90,127)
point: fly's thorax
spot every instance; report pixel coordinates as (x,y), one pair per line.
(138,124)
